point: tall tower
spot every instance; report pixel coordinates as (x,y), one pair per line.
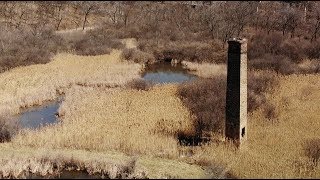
(236,98)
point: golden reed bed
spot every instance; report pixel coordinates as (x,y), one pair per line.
(31,85)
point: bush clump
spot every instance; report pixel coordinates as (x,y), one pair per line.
(206,100)
(139,84)
(312,150)
(24,47)
(95,42)
(137,56)
(258,84)
(194,51)
(8,128)
(280,53)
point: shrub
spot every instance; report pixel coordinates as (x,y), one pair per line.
(310,66)
(22,47)
(89,47)
(278,63)
(282,54)
(8,128)
(263,43)
(294,49)
(206,100)
(313,50)
(95,42)
(194,51)
(137,56)
(258,84)
(139,84)
(312,150)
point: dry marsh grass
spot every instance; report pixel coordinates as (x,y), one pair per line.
(27,86)
(206,70)
(130,121)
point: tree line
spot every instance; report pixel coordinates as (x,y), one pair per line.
(217,19)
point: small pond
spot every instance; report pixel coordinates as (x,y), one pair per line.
(38,116)
(161,73)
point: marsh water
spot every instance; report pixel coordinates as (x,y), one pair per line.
(39,116)
(67,175)
(161,73)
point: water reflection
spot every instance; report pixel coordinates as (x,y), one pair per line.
(166,73)
(38,116)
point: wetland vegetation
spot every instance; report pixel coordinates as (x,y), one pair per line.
(143,87)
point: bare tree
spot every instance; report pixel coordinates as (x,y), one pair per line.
(85,8)
(315,21)
(289,20)
(59,12)
(111,10)
(8,12)
(268,16)
(212,19)
(126,10)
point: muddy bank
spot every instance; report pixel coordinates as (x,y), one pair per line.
(25,161)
